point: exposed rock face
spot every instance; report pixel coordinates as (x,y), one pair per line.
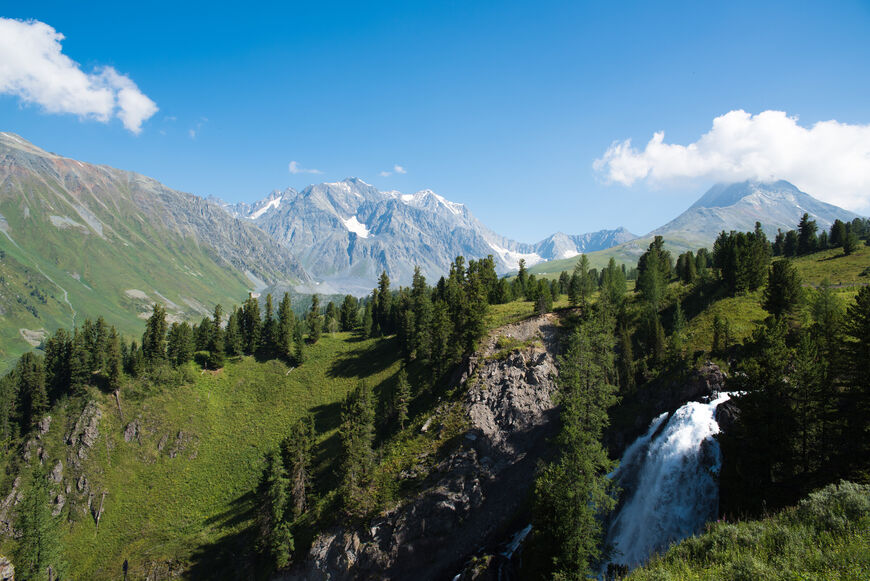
(13,498)
(85,433)
(43,425)
(57,472)
(7,570)
(131,432)
(470,495)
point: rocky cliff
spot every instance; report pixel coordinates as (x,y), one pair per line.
(469,497)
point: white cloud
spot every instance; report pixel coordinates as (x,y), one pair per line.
(295,168)
(829,160)
(396,169)
(34,69)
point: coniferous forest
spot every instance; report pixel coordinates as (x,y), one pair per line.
(801,404)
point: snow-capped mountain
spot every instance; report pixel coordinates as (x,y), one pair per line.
(347,232)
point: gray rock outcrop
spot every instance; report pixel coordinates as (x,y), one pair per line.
(470,495)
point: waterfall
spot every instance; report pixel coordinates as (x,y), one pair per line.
(669,478)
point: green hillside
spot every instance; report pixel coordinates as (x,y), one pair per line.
(196,508)
(826,537)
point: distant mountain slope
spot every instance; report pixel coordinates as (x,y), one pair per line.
(345,233)
(738,206)
(112,242)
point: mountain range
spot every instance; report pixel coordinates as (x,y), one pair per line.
(346,233)
(87,240)
(777,205)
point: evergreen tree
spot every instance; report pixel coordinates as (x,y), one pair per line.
(678,339)
(154,338)
(827,312)
(564,282)
(653,272)
(858,363)
(58,350)
(233,343)
(571,494)
(807,240)
(522,277)
(216,348)
(286,326)
(31,388)
(421,303)
(180,344)
(383,306)
(297,450)
(39,546)
(402,398)
(298,345)
(270,329)
(348,313)
(252,328)
(276,537)
(368,321)
(850,243)
(613,286)
(357,462)
(79,372)
(113,361)
(838,233)
(314,320)
(790,248)
(783,292)
(626,361)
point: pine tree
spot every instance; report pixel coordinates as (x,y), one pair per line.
(348,313)
(838,233)
(783,292)
(357,463)
(572,493)
(276,535)
(850,243)
(58,349)
(154,338)
(233,340)
(39,546)
(216,347)
(298,345)
(286,326)
(296,450)
(113,361)
(270,329)
(653,272)
(314,320)
(368,321)
(79,372)
(807,240)
(31,388)
(402,398)
(252,328)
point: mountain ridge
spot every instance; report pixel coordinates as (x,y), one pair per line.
(345,233)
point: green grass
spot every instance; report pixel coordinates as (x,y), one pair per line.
(195,507)
(826,537)
(835,266)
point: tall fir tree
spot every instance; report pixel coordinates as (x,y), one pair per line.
(39,548)
(357,433)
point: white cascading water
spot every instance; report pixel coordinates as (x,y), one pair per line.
(669,478)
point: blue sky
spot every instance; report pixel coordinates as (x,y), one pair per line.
(504,106)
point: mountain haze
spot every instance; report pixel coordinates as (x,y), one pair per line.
(345,233)
(86,240)
(724,207)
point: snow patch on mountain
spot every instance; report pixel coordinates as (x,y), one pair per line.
(512,258)
(272,204)
(355,226)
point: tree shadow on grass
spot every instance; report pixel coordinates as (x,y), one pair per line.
(233,555)
(365,361)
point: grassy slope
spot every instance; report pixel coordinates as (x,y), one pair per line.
(140,258)
(197,509)
(195,506)
(826,537)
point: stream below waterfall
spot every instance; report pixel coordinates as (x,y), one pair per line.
(670,482)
